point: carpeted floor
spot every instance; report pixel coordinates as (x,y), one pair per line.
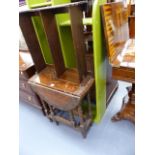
(38,136)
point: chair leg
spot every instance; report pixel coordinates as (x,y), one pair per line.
(82,129)
(52,114)
(84,133)
(49,107)
(44,108)
(72,118)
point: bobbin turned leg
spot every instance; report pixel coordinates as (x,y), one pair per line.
(82,126)
(89,106)
(50,109)
(44,107)
(72,119)
(52,115)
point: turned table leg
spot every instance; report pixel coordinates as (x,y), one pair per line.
(127,111)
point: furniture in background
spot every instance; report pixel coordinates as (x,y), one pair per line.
(121,53)
(26,70)
(64,92)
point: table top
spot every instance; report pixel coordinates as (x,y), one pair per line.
(126,58)
(65,83)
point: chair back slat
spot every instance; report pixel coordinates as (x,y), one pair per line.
(28,31)
(51,31)
(78,40)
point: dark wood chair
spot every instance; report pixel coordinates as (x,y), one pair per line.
(121,53)
(61,90)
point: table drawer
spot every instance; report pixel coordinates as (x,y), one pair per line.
(33,100)
(23,85)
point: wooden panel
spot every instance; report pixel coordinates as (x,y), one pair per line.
(78,40)
(23,85)
(50,27)
(115,23)
(56,98)
(31,40)
(26,97)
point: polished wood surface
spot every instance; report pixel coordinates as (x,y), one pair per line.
(121,52)
(124,64)
(63,92)
(65,83)
(126,57)
(120,49)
